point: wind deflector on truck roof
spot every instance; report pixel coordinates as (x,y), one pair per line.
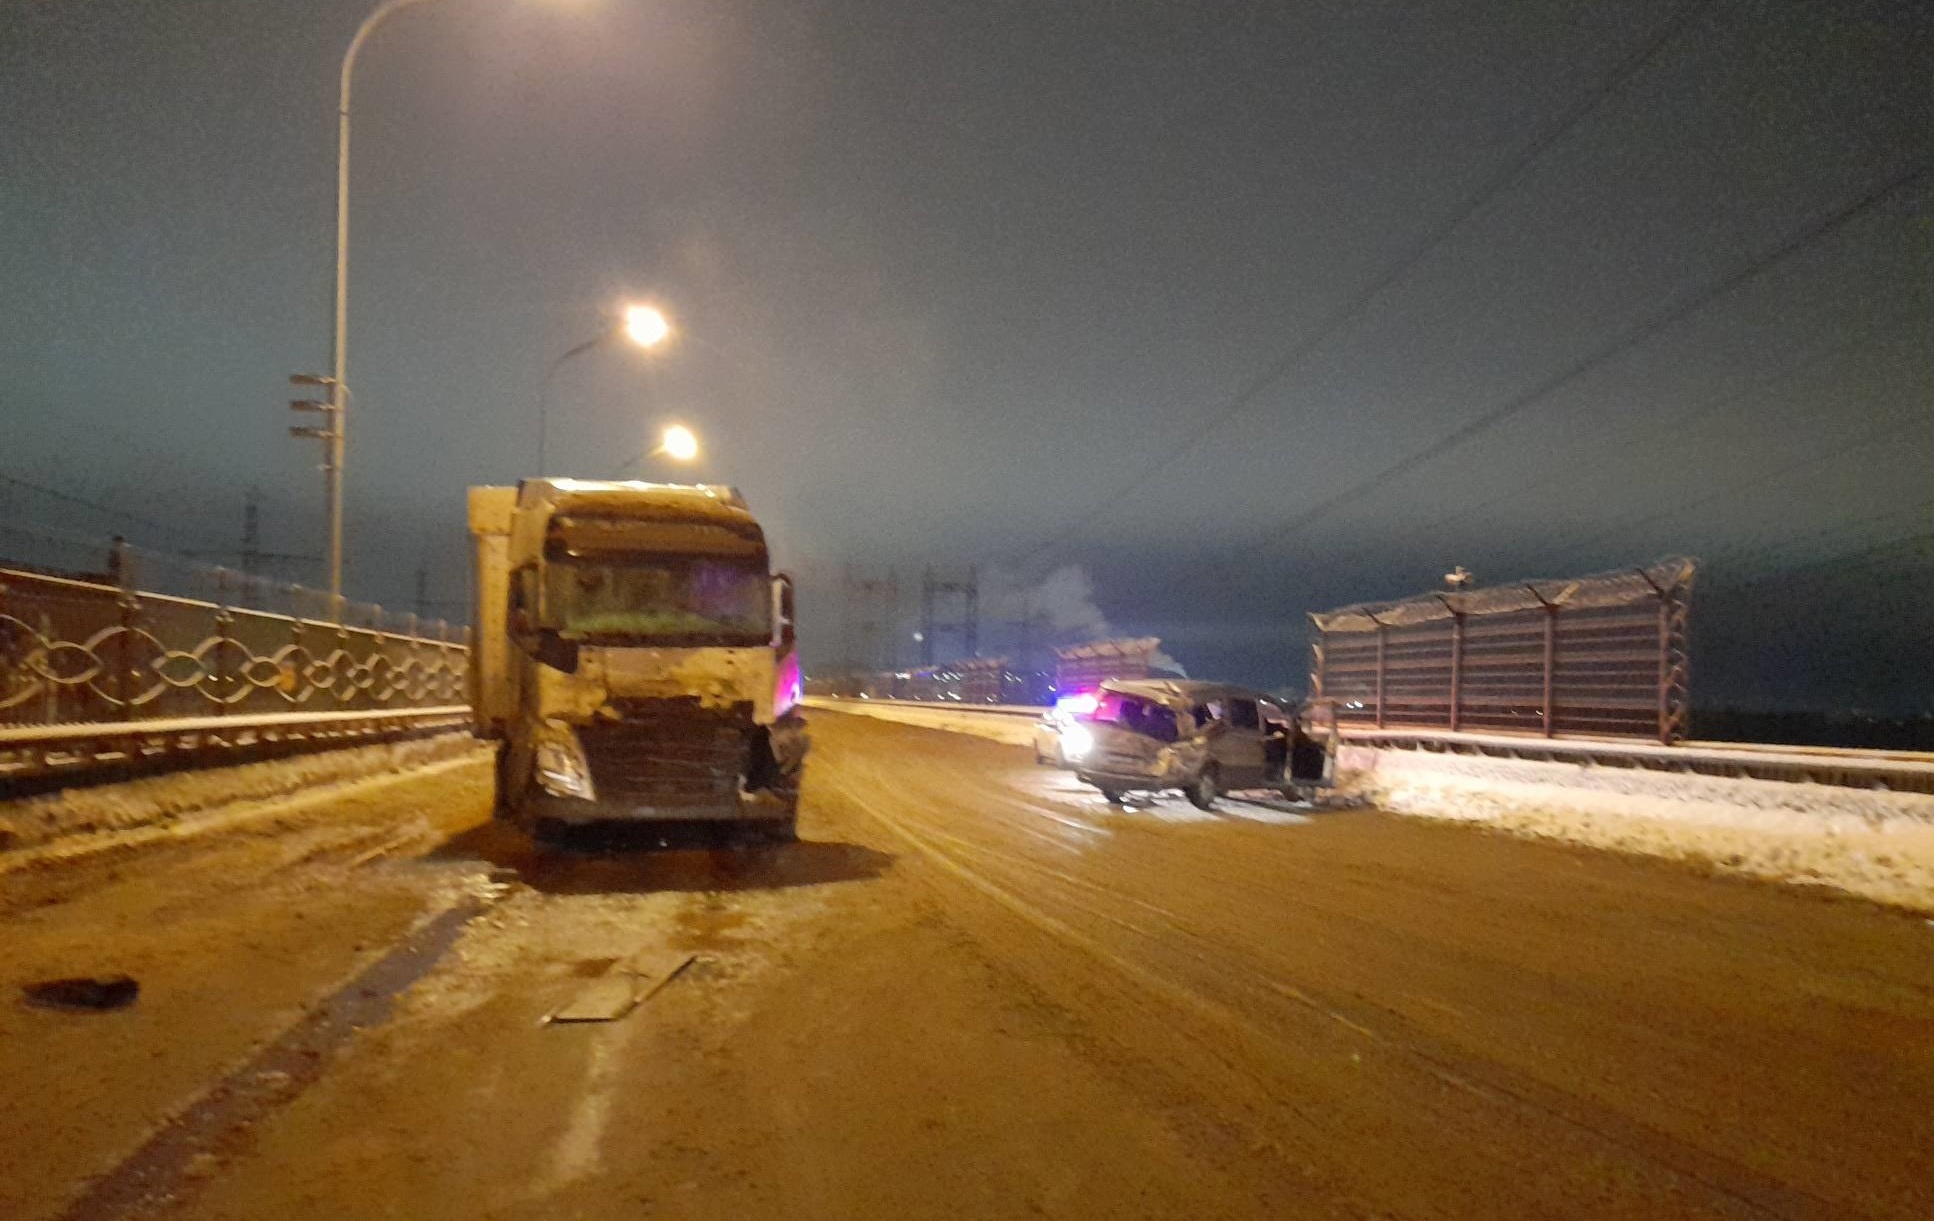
(709,500)
(621,535)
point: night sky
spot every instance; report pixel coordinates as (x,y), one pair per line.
(1240,309)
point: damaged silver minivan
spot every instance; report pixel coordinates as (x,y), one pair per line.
(1201,739)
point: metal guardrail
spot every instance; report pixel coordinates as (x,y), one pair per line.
(1026,711)
(100,676)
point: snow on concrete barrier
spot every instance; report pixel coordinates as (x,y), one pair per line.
(1865,841)
(179,798)
(1014,726)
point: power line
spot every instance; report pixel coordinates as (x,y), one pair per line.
(1840,559)
(1913,419)
(1457,437)
(1729,400)
(1747,556)
(1867,440)
(1871,437)
(1725,403)
(1357,305)
(97,506)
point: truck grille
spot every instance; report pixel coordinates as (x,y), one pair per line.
(667,754)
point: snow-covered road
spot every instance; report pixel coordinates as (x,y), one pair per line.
(976,990)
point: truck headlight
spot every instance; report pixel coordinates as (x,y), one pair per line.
(559,765)
(1076,741)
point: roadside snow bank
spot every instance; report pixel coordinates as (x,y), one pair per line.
(180,796)
(1867,842)
(1012,726)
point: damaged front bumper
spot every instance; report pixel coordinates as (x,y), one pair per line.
(666,761)
(756,807)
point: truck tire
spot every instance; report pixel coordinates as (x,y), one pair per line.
(781,833)
(505,803)
(777,759)
(499,809)
(550,832)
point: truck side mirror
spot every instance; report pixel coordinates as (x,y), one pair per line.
(784,633)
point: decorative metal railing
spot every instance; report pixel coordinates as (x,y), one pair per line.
(78,651)
(1602,656)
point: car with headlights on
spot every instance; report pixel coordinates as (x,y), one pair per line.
(1197,738)
(1055,723)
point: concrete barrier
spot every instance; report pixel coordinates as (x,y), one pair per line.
(1012,725)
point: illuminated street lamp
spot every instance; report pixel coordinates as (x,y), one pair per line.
(678,443)
(644,325)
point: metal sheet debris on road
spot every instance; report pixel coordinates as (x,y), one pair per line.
(622,988)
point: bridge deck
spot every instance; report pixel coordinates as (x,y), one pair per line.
(973,989)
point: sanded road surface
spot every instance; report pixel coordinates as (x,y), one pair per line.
(976,990)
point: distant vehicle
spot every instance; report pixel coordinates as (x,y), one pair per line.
(634,658)
(1200,739)
(1054,723)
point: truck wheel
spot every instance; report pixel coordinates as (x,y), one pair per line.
(512,805)
(760,840)
(778,771)
(500,799)
(787,791)
(550,832)
(1113,797)
(1203,790)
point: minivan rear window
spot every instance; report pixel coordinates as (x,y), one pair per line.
(1140,716)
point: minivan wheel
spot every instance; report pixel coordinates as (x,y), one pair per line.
(1202,790)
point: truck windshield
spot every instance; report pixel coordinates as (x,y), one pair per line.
(664,600)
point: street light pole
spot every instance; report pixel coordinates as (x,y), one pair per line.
(544,391)
(643,325)
(339,349)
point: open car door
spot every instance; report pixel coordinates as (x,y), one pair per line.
(1312,747)
(1240,753)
